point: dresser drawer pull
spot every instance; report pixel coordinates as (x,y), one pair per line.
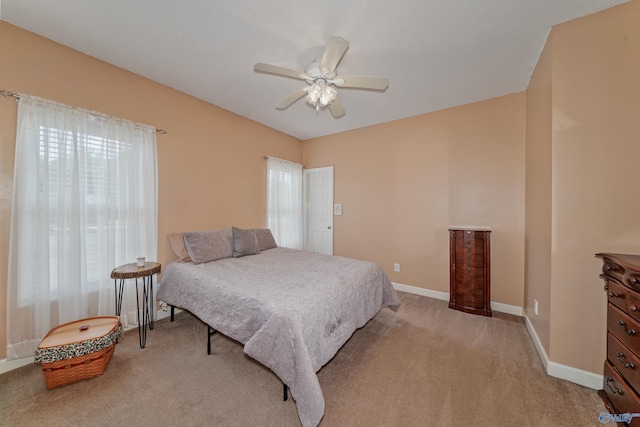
(614,295)
(627,365)
(635,281)
(633,308)
(613,388)
(628,331)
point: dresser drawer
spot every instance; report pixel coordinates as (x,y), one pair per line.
(633,305)
(621,396)
(468,278)
(632,280)
(613,269)
(624,360)
(469,300)
(624,327)
(617,294)
(470,257)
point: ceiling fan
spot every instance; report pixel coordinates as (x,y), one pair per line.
(321,76)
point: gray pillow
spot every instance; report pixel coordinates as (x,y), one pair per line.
(244,242)
(265,239)
(205,246)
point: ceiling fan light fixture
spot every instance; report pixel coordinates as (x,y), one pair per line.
(320,94)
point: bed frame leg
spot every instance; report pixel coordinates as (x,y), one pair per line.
(172,312)
(210,331)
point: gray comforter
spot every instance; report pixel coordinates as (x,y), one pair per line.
(292,310)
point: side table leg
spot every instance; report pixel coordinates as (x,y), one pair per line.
(142,316)
(118,294)
(151,303)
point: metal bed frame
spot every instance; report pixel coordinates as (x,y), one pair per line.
(210,332)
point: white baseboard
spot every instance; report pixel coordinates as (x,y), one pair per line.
(575,375)
(10,365)
(496,306)
(557,370)
(421,291)
(506,308)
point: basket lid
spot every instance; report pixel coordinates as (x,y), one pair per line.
(80,330)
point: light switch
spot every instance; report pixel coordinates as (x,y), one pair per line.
(337,209)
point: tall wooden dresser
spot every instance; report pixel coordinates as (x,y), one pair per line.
(621,384)
(470,271)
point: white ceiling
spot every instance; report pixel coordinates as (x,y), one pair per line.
(435,53)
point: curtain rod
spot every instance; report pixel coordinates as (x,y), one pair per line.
(278,158)
(9,94)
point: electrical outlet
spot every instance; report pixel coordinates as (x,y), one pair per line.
(535,307)
(396,267)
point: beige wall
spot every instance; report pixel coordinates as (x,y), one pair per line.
(403,183)
(211,166)
(538,197)
(595,196)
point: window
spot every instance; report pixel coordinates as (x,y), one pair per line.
(57,174)
(84,202)
(284,202)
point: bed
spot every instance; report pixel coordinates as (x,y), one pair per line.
(292,310)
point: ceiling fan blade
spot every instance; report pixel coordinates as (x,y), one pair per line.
(362,82)
(336,108)
(275,69)
(291,98)
(336,47)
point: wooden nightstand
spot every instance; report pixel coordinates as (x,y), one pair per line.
(132,271)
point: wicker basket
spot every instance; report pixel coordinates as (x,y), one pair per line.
(78,350)
(68,371)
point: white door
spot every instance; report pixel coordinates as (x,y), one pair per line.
(318,196)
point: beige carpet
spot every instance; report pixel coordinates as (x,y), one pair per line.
(426,365)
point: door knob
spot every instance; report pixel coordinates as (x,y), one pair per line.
(329,228)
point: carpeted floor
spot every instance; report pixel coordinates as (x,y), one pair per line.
(426,365)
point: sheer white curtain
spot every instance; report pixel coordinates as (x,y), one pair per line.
(84,202)
(284,202)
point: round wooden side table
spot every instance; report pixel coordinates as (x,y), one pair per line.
(132,271)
